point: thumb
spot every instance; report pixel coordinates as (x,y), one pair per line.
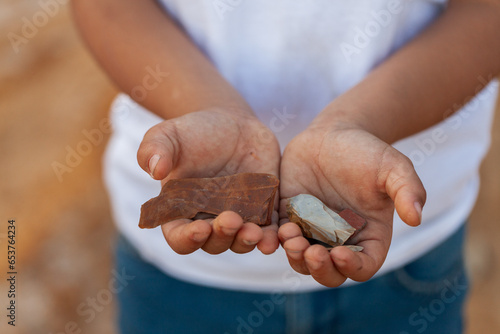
(405,188)
(159,149)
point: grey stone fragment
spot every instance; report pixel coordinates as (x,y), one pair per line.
(319,222)
(355,248)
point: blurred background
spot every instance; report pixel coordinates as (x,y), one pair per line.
(52,96)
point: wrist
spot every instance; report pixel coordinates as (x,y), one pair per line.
(337,117)
(334,119)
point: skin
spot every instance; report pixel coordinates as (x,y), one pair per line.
(409,92)
(226,144)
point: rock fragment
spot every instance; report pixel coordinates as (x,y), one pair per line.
(320,223)
(251,195)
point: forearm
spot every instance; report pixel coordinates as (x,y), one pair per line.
(421,83)
(132,38)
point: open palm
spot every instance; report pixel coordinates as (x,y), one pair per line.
(348,168)
(208,144)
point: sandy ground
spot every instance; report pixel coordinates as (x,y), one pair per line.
(51,95)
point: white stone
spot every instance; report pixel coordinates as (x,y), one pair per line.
(318,221)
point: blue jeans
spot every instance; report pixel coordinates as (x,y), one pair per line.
(425,296)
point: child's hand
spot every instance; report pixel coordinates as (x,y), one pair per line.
(208,144)
(347,168)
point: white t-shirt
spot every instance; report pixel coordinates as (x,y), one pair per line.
(289,59)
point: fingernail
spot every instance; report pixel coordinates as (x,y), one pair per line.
(198,237)
(314,265)
(339,262)
(229,231)
(153,161)
(418,207)
(250,243)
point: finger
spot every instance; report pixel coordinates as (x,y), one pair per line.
(321,267)
(295,248)
(269,243)
(224,229)
(184,236)
(350,264)
(247,238)
(282,207)
(359,266)
(407,191)
(289,231)
(158,150)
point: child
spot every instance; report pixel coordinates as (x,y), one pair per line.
(362,96)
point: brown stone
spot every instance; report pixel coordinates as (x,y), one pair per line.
(354,220)
(251,195)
